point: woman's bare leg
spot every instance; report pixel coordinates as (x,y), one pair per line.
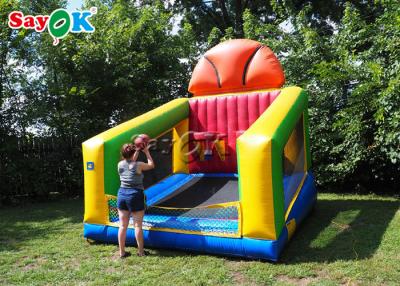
(138,219)
(123,227)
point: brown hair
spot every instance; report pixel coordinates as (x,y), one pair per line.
(127,150)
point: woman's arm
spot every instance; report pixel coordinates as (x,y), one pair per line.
(150,163)
(135,155)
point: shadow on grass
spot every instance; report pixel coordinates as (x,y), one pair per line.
(340,230)
(23,223)
(336,230)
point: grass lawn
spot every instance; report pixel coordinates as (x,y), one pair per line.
(349,240)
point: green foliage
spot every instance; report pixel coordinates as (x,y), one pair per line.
(346,55)
(129,65)
(353,77)
(213,21)
(88,83)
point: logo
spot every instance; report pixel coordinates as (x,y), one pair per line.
(90,166)
(59,24)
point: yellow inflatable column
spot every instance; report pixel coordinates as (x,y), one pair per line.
(180,147)
(255,186)
(96,208)
(260,165)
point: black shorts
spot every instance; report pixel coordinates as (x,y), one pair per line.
(132,200)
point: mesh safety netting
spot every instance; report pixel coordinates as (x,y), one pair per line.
(216,220)
(112,209)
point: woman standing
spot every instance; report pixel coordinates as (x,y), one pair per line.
(131,198)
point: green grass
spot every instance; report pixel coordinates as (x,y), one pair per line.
(350,240)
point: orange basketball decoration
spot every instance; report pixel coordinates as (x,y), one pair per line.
(141,141)
(145,137)
(236,65)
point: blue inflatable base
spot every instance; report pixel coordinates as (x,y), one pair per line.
(241,247)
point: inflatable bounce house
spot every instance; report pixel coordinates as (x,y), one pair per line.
(237,181)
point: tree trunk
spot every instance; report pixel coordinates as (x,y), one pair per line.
(239,8)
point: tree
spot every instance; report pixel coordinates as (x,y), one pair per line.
(219,17)
(223,19)
(130,64)
(352,75)
(83,86)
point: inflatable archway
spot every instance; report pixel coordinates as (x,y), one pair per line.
(240,180)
